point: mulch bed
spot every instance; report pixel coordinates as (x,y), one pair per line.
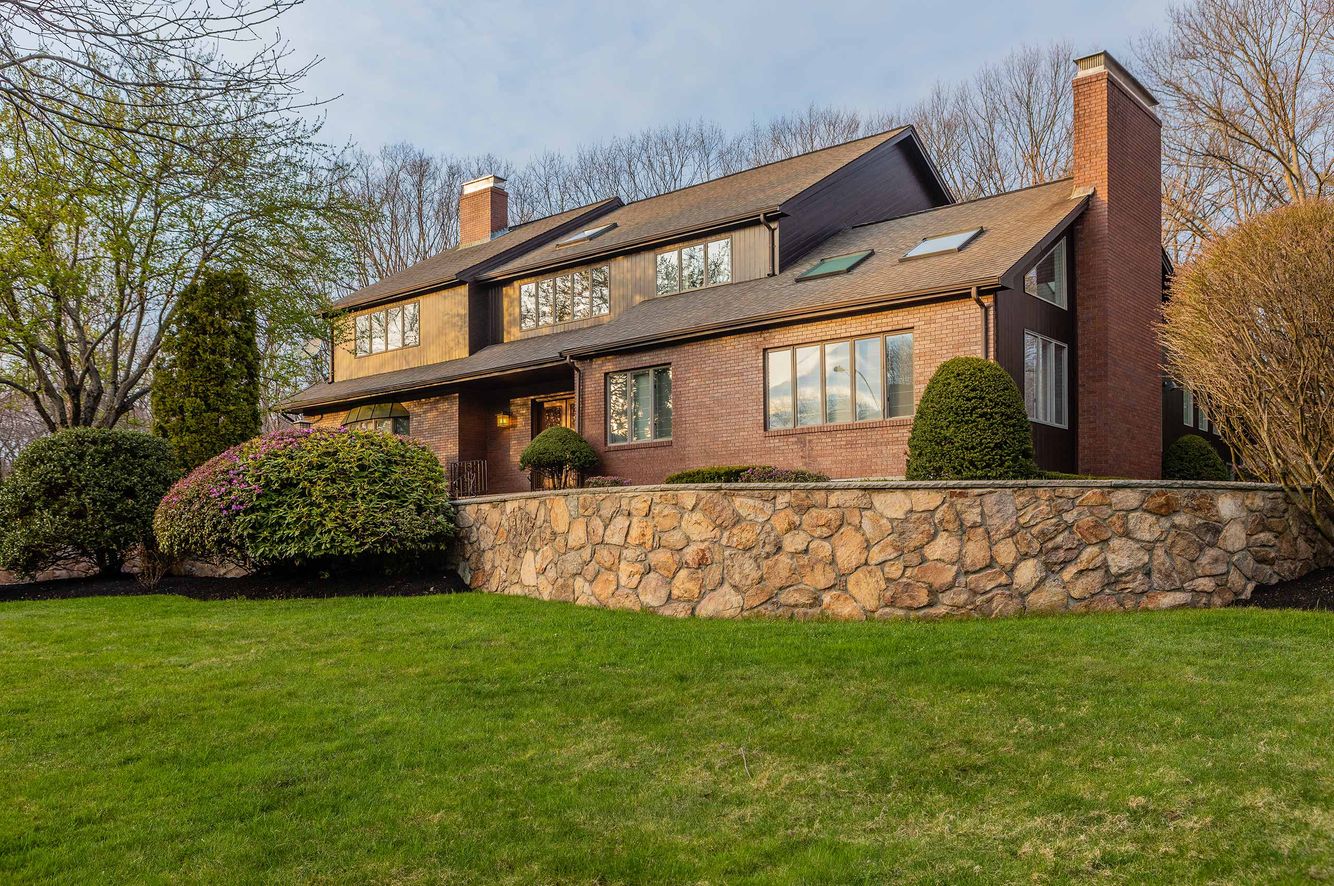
(1314,591)
(255,587)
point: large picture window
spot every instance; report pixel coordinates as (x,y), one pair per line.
(1045,391)
(575,296)
(639,405)
(1047,279)
(837,382)
(387,330)
(694,267)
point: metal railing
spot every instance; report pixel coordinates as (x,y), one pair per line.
(467,478)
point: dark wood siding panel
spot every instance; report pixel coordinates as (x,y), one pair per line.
(1056,449)
(890,180)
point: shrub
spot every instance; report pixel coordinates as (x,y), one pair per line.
(560,455)
(717,474)
(312,496)
(81,495)
(604,482)
(765,474)
(1191,457)
(971,425)
(206,381)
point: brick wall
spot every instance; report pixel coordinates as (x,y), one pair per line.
(1119,268)
(482,213)
(718,398)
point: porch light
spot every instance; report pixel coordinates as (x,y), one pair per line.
(504,420)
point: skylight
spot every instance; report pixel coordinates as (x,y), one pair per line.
(943,243)
(585,235)
(835,264)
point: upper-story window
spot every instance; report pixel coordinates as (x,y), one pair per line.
(574,296)
(1047,279)
(694,267)
(388,329)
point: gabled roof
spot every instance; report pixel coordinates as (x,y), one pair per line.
(455,265)
(1017,227)
(715,202)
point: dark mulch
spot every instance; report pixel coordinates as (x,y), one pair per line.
(256,587)
(1314,591)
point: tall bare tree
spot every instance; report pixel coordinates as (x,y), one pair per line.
(144,68)
(1246,91)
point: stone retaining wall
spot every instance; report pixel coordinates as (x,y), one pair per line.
(888,550)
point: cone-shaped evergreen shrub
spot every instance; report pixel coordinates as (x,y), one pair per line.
(1190,457)
(206,382)
(81,495)
(971,425)
(559,455)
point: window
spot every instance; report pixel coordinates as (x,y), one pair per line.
(390,418)
(1045,380)
(863,379)
(639,405)
(942,243)
(1187,407)
(576,296)
(694,267)
(838,264)
(1046,280)
(387,330)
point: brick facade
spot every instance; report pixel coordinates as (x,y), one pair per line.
(718,391)
(1117,152)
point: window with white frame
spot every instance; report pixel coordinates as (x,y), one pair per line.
(1187,407)
(387,330)
(1045,380)
(694,267)
(639,405)
(1047,279)
(852,380)
(578,295)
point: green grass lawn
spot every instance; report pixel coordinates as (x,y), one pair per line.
(476,738)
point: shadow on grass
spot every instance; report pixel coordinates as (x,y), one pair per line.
(251,587)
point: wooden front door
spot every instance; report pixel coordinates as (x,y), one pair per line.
(557,414)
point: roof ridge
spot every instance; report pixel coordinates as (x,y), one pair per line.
(1055,181)
(881,135)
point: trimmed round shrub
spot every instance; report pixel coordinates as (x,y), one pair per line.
(82,495)
(1191,457)
(311,496)
(717,474)
(971,425)
(560,455)
(767,474)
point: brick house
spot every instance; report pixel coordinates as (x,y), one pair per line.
(789,314)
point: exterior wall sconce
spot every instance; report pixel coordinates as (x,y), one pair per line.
(504,420)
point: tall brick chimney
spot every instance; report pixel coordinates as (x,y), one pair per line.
(1118,271)
(484,209)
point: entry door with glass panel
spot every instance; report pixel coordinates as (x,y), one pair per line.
(557,414)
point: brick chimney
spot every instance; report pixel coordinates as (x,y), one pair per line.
(1118,271)
(483,209)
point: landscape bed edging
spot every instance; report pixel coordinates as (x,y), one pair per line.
(893,549)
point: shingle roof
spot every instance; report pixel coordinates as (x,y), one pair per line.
(452,264)
(1014,225)
(718,200)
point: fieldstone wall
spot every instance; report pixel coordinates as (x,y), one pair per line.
(888,550)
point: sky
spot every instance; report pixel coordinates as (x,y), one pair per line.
(520,78)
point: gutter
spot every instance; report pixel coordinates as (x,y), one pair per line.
(773,233)
(986,332)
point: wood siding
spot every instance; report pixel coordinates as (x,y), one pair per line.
(632,280)
(890,180)
(1056,449)
(442,331)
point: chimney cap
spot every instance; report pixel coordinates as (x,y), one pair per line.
(1098,62)
(483,183)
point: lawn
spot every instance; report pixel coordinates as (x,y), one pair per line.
(474,738)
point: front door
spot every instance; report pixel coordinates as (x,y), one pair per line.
(557,414)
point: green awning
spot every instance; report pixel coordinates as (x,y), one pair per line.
(835,264)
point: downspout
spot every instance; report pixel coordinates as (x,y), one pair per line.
(578,395)
(773,231)
(332,346)
(986,331)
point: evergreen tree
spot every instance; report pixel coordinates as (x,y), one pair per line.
(206,384)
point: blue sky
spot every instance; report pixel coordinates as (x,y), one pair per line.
(518,78)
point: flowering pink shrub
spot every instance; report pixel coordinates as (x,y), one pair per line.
(298,496)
